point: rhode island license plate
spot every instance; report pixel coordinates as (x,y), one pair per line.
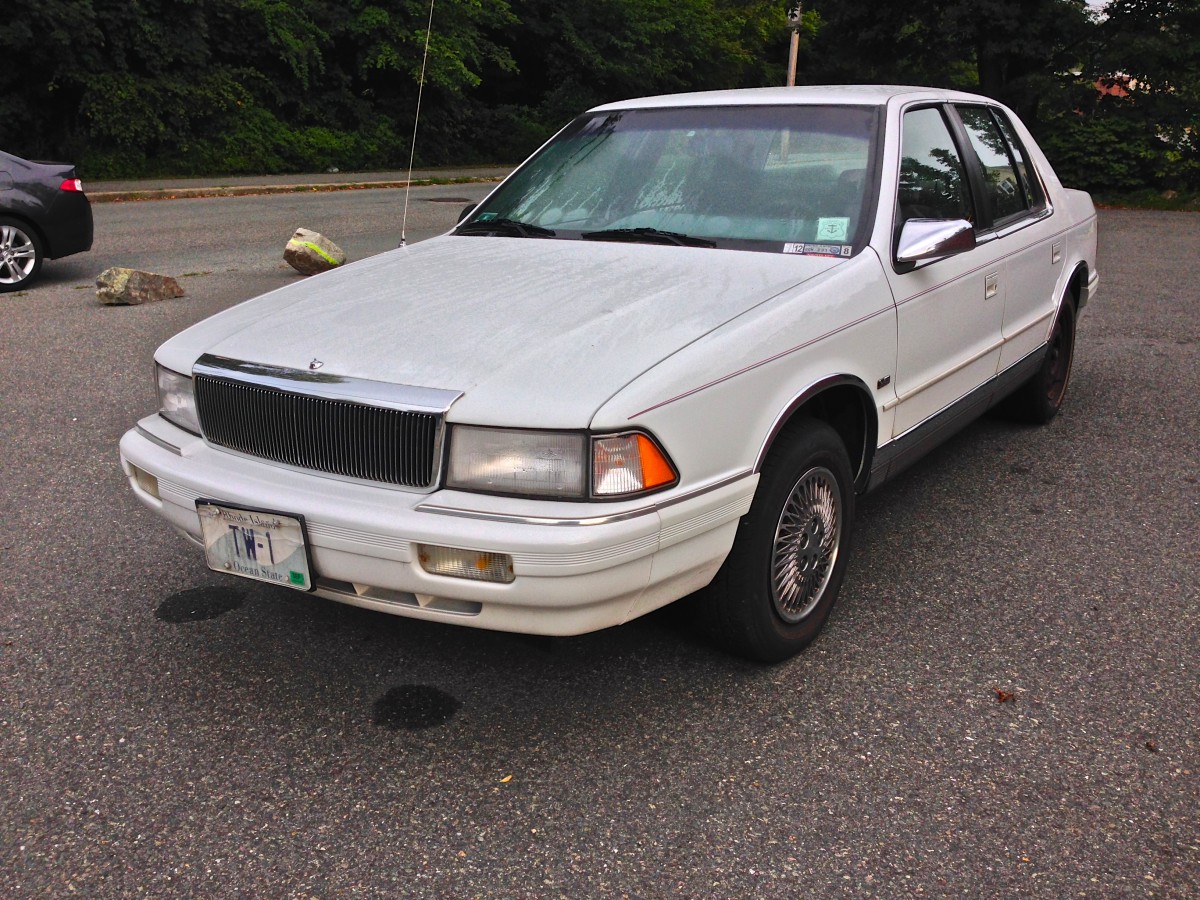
(265,546)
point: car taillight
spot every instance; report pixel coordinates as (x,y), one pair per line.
(72,184)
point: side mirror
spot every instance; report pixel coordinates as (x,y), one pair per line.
(933,238)
(467,210)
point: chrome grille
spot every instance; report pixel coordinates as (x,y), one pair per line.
(337,436)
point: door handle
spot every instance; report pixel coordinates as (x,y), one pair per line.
(991,286)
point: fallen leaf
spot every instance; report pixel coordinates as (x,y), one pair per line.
(1005,696)
(506,779)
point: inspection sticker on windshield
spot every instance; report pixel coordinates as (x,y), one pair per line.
(819,249)
(833,229)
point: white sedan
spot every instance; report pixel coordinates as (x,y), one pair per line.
(664,356)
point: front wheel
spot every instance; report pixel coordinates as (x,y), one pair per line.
(20,255)
(775,590)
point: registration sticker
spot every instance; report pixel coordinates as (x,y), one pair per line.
(265,546)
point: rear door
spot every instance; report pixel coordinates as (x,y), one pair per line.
(1023,226)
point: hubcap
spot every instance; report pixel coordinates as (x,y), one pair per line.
(17,255)
(807,539)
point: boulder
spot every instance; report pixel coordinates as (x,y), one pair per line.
(309,252)
(119,286)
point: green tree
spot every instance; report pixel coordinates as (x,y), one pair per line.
(127,87)
(571,56)
(1151,50)
(231,85)
(1013,50)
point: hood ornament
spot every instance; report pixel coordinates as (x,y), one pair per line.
(315,364)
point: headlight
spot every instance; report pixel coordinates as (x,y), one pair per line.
(556,463)
(177,399)
(507,461)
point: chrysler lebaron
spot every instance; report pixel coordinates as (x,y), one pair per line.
(662,358)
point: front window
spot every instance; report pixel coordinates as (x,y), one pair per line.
(933,181)
(759,177)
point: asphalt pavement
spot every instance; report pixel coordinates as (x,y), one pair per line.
(1004,703)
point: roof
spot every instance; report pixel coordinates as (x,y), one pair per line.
(841,94)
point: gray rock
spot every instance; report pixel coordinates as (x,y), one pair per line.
(119,286)
(309,252)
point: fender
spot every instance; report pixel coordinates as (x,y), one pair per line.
(861,450)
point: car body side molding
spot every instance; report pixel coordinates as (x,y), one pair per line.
(894,457)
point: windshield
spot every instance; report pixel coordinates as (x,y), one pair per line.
(762,177)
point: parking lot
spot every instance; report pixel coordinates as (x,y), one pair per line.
(166,730)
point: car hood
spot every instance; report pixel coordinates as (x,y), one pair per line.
(533,332)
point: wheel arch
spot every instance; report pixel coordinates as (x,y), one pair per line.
(32,226)
(846,404)
(1077,286)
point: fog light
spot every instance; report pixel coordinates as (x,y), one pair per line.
(146,482)
(475,565)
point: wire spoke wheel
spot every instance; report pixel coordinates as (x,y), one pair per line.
(781,579)
(807,541)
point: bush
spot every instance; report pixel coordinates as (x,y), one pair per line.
(251,141)
(1098,153)
(1120,149)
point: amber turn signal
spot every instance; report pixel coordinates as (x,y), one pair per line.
(629,464)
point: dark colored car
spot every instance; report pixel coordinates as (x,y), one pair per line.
(44,214)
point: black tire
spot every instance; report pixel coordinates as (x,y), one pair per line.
(21,255)
(774,592)
(1040,398)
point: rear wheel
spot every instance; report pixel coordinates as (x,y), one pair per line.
(20,255)
(1040,398)
(773,594)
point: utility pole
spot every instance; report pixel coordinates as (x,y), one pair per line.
(794,23)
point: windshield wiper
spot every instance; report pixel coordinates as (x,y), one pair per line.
(647,236)
(506,227)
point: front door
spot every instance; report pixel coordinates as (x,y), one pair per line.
(949,311)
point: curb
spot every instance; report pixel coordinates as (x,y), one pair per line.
(190,193)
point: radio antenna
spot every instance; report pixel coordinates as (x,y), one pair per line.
(412,150)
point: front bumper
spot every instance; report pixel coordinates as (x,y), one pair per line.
(579,567)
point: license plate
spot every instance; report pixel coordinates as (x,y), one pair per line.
(265,546)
